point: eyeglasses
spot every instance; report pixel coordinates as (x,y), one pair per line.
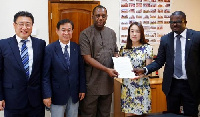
(103,16)
(67,31)
(176,22)
(27,25)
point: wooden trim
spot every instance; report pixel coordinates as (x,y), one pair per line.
(76,0)
(54,0)
(49,20)
(58,1)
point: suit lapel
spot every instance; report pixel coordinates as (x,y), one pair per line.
(58,51)
(189,40)
(171,44)
(15,49)
(36,48)
(72,52)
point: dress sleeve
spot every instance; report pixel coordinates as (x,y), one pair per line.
(149,54)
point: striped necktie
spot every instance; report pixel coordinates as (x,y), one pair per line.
(25,57)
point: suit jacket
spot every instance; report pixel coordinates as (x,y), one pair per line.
(15,89)
(58,81)
(192,61)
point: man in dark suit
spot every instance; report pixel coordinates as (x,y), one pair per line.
(21,58)
(180,52)
(64,75)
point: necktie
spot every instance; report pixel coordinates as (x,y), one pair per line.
(66,55)
(178,58)
(25,57)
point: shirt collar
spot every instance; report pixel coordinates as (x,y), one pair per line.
(63,45)
(19,39)
(183,34)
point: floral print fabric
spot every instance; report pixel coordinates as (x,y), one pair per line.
(136,93)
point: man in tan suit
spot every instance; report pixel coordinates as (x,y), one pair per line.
(98,46)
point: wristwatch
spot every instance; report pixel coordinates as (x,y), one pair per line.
(144,70)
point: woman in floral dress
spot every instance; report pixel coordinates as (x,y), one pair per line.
(136,93)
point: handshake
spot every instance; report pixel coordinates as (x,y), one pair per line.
(139,71)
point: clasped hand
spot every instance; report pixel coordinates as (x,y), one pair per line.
(139,72)
(2,105)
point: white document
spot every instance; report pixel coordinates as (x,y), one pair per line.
(124,67)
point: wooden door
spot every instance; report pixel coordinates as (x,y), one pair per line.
(80,12)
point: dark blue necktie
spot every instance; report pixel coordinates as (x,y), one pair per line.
(178,58)
(66,55)
(25,57)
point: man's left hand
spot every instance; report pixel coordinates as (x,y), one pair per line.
(81,96)
(2,105)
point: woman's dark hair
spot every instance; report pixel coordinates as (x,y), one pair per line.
(142,37)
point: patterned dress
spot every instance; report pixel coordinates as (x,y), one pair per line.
(136,93)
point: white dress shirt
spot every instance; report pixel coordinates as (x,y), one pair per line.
(63,47)
(30,51)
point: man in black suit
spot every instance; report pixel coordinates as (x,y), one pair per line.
(21,58)
(179,50)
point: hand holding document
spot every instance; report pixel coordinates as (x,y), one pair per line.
(124,67)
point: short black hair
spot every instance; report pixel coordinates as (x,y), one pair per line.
(180,13)
(99,6)
(23,13)
(61,22)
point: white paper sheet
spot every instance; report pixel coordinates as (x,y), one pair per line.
(124,67)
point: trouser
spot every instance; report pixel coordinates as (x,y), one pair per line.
(71,109)
(181,94)
(96,106)
(29,111)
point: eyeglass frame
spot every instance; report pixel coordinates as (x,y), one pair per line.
(66,30)
(27,25)
(103,16)
(177,22)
